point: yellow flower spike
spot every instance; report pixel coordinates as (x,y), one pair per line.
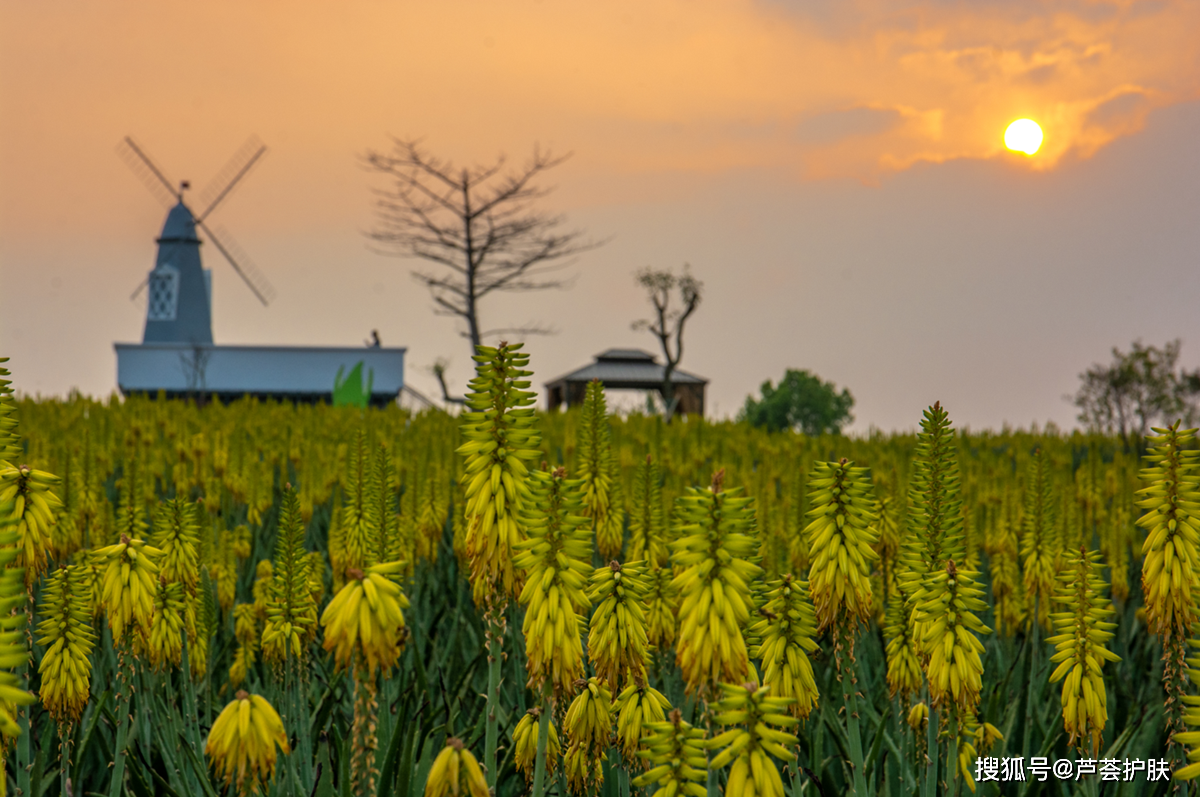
(935,518)
(223,570)
(595,466)
(904,674)
(1008,589)
(245,630)
(177,535)
(617,642)
(647,535)
(582,768)
(637,708)
(166,629)
(261,589)
(973,738)
(525,742)
(674,752)
(291,609)
(1169,576)
(372,628)
(10,440)
(986,735)
(129,585)
(918,715)
(588,725)
(241,745)
(662,607)
(713,557)
(66,634)
(1171,554)
(34,509)
(753,716)
(433,504)
(555,561)
(241,542)
(785,631)
(1083,629)
(501,437)
(950,639)
(1039,539)
(840,536)
(316,578)
(1191,738)
(456,773)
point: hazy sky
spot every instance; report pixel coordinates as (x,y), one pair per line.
(833,171)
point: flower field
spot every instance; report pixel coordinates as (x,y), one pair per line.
(307,600)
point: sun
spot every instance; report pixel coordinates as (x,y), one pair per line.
(1023,135)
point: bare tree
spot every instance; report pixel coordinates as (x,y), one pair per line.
(194,362)
(668,322)
(1136,389)
(477,225)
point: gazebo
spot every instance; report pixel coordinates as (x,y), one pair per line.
(627,369)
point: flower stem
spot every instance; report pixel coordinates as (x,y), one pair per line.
(952,755)
(539,767)
(931,754)
(362,759)
(118,773)
(846,675)
(495,638)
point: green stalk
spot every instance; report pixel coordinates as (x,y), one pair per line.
(852,731)
(539,767)
(493,698)
(1030,705)
(24,757)
(297,714)
(931,754)
(711,785)
(24,754)
(118,774)
(192,715)
(64,761)
(952,757)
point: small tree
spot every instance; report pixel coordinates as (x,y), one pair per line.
(801,401)
(668,322)
(477,225)
(1135,389)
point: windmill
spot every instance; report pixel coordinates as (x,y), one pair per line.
(179,306)
(177,357)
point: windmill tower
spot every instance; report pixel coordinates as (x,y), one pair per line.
(179,305)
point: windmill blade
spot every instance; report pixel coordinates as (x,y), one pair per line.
(152,177)
(138,292)
(245,269)
(238,167)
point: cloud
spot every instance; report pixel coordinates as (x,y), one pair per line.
(853,89)
(826,128)
(1119,110)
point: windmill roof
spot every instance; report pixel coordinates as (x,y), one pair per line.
(180,225)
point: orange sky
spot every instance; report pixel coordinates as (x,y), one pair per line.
(861,90)
(658,101)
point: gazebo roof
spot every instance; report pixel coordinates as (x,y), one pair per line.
(627,368)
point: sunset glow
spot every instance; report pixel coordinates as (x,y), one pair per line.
(1023,135)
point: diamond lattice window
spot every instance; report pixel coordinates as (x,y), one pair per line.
(164,293)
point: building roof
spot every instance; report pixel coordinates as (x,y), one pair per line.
(629,368)
(625,355)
